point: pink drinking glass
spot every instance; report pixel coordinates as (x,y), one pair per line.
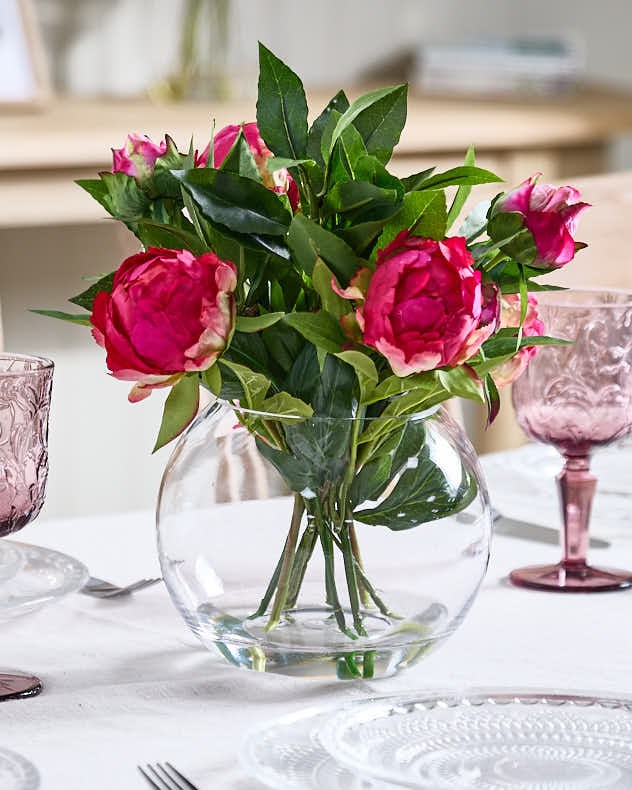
(25,389)
(578,398)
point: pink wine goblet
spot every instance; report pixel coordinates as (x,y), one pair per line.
(25,389)
(578,398)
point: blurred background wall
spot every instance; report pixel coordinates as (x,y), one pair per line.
(117,53)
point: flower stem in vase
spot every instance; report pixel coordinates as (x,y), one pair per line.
(286,565)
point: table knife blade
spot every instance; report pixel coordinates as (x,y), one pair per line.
(513,528)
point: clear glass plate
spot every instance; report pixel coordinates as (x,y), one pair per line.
(487,740)
(16,773)
(40,576)
(287,755)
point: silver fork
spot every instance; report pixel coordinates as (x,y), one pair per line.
(98,588)
(166,777)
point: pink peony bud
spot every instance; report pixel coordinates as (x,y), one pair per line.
(280,181)
(138,157)
(551,215)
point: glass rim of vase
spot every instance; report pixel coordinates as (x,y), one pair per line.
(557,298)
(42,364)
(423,414)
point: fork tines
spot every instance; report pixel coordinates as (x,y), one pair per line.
(166,777)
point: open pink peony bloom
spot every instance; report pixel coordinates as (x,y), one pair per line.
(488,323)
(280,181)
(510,370)
(138,156)
(551,215)
(169,313)
(422,303)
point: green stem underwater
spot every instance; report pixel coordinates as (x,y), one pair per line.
(286,566)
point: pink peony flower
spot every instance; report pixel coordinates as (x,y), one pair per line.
(551,215)
(488,323)
(280,181)
(169,313)
(422,303)
(138,156)
(510,370)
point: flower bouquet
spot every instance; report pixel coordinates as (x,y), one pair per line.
(332,306)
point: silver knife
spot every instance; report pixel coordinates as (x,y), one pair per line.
(512,528)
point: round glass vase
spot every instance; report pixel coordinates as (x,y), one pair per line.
(352,553)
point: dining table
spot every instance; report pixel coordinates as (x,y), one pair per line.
(126,683)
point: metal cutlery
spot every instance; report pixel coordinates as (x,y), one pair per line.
(166,777)
(99,588)
(514,528)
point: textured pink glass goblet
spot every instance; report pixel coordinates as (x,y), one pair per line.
(578,398)
(25,389)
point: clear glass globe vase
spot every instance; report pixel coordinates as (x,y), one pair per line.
(330,558)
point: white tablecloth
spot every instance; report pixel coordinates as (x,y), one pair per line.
(126,682)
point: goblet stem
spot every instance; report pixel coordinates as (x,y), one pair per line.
(576,488)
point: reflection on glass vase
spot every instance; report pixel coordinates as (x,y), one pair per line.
(329,558)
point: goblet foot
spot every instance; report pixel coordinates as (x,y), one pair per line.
(566,577)
(19,686)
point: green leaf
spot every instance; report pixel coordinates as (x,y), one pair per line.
(283,343)
(281,107)
(361,362)
(212,378)
(330,300)
(462,382)
(324,443)
(504,345)
(462,193)
(348,151)
(365,369)
(319,328)
(424,492)
(240,160)
(371,481)
(492,399)
(254,385)
(397,385)
(340,103)
(286,406)
(240,203)
(86,298)
(127,200)
(381,123)
(463,175)
(411,183)
(423,214)
(308,241)
(298,473)
(154,234)
(507,231)
(245,323)
(164,182)
(351,195)
(84,320)
(370,222)
(389,102)
(180,408)
(368,168)
(279,162)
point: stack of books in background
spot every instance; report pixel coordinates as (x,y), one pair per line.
(501,66)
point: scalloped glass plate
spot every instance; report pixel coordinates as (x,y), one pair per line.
(486,740)
(16,773)
(287,755)
(41,576)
